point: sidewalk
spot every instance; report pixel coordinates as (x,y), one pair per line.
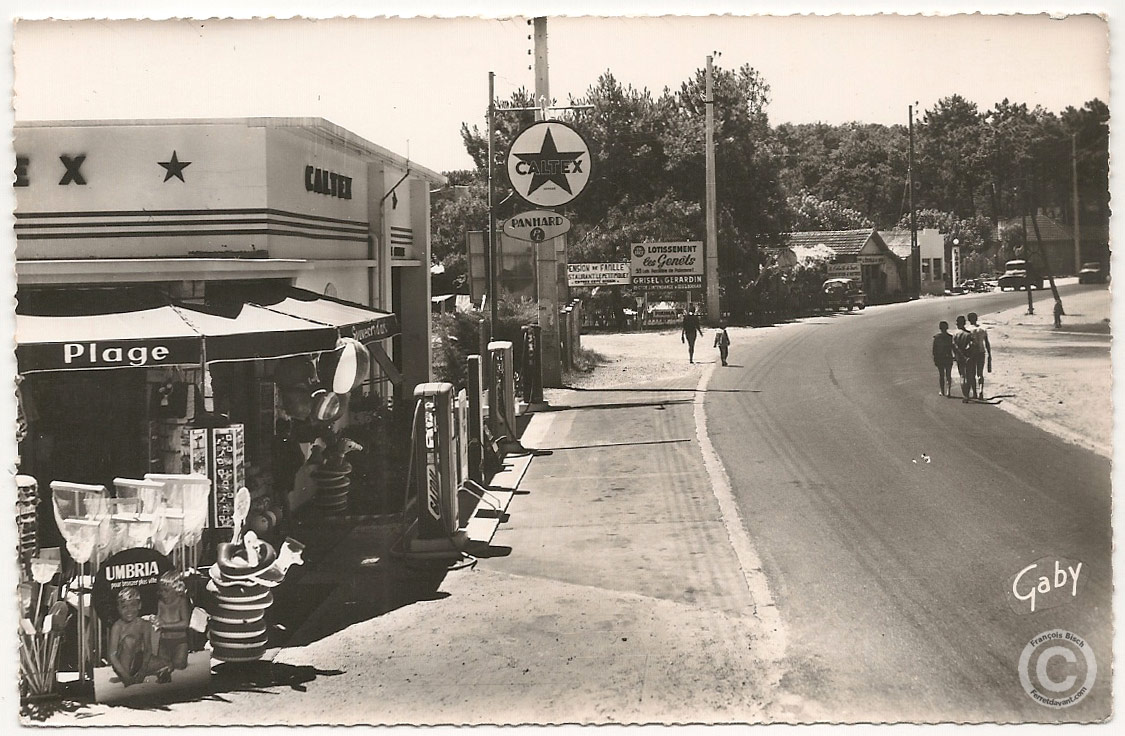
(608,592)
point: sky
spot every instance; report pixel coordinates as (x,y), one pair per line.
(409,83)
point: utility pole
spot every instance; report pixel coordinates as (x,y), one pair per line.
(1074,192)
(711,252)
(492,265)
(547,254)
(542,84)
(915,254)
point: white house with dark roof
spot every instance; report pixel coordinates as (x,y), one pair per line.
(937,260)
(859,254)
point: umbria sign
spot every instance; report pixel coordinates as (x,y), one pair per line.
(536,226)
(549,164)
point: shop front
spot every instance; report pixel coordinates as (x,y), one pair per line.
(216,305)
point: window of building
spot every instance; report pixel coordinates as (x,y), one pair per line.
(937,269)
(925,269)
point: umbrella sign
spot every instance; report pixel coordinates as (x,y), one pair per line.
(536,226)
(549,164)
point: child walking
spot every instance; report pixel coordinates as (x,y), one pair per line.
(943,358)
(722,341)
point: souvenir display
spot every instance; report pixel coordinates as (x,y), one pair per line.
(220,454)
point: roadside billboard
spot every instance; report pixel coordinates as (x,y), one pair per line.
(666,266)
(844,271)
(597,274)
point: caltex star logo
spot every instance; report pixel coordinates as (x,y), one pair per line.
(175,167)
(549,164)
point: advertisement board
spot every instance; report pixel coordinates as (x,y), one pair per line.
(664,266)
(844,271)
(597,274)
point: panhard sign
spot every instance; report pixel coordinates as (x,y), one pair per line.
(667,265)
(597,274)
(549,164)
(536,226)
(844,270)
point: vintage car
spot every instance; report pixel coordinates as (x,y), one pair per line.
(1019,274)
(841,293)
(1092,273)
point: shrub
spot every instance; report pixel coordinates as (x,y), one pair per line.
(457,336)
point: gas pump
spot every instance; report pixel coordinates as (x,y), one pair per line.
(440,452)
(501,390)
(532,365)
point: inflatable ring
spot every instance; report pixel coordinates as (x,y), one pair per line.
(231,657)
(242,618)
(235,568)
(255,643)
(237,609)
(240,593)
(253,630)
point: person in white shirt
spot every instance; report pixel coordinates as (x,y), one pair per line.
(982,351)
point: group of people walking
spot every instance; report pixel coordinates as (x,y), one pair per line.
(970,350)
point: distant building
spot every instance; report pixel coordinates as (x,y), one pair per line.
(1058,242)
(937,259)
(858,254)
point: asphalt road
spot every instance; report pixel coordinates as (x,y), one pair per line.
(890,571)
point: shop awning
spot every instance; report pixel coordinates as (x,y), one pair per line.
(85,332)
(351,320)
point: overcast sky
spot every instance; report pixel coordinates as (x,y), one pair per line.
(408,84)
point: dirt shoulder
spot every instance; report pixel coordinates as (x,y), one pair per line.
(1059,380)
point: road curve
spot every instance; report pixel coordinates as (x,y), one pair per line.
(890,520)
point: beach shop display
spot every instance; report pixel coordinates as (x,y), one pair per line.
(241,589)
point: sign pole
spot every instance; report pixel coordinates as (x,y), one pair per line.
(492,285)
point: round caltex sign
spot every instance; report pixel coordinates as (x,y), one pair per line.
(135,570)
(549,164)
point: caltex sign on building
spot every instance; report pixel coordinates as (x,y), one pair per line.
(659,266)
(549,164)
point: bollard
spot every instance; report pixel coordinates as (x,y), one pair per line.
(477,409)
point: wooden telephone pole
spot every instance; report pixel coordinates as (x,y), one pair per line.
(711,247)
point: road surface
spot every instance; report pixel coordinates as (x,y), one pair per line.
(890,520)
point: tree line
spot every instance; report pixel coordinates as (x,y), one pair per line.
(974,169)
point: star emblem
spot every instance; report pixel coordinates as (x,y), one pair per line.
(175,167)
(550,165)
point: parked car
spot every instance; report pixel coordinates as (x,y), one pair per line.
(840,293)
(1092,273)
(1019,274)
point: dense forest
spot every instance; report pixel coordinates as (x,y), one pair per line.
(973,168)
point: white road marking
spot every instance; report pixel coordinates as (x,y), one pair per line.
(764,606)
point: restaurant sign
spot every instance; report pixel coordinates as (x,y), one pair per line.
(664,266)
(597,274)
(844,271)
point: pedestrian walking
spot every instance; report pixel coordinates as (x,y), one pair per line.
(982,352)
(722,341)
(943,358)
(1058,313)
(690,331)
(963,350)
